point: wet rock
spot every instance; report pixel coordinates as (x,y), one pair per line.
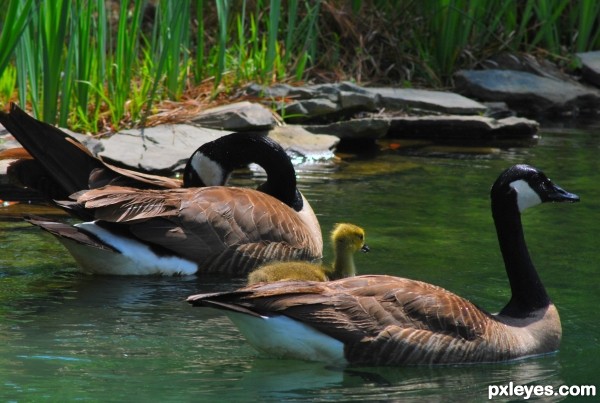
(302,145)
(590,67)
(461,127)
(526,92)
(354,129)
(162,149)
(240,116)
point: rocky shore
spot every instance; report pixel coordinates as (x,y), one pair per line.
(497,102)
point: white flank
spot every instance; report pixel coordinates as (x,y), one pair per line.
(209,171)
(135,257)
(526,196)
(283,337)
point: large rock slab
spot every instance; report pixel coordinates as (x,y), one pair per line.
(590,67)
(239,116)
(452,127)
(526,92)
(162,149)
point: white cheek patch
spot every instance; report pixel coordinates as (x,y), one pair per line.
(526,196)
(209,171)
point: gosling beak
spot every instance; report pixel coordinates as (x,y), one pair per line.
(365,248)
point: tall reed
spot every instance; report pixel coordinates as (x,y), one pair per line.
(74,63)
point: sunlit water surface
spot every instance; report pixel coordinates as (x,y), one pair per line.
(65,336)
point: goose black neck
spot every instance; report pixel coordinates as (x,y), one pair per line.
(237,150)
(528,292)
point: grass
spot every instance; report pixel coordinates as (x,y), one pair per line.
(95,65)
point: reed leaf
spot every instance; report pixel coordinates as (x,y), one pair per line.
(18,15)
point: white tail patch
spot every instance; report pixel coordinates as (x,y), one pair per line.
(284,337)
(135,258)
(526,196)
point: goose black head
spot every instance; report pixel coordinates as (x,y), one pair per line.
(528,187)
(213,162)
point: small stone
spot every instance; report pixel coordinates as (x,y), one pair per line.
(240,116)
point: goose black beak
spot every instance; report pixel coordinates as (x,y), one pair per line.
(559,195)
(365,248)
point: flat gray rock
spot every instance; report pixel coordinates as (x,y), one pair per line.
(239,116)
(590,67)
(355,129)
(461,127)
(163,149)
(527,92)
(439,101)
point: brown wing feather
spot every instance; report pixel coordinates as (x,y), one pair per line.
(224,229)
(380,319)
(116,176)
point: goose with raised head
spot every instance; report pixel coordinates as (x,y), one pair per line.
(385,320)
(346,240)
(183,230)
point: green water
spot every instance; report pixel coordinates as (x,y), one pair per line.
(65,336)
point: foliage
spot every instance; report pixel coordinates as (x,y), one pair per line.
(100,64)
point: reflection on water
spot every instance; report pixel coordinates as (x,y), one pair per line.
(68,336)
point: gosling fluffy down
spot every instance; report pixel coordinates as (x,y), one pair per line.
(346,240)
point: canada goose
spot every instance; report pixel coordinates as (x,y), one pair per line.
(209,229)
(345,238)
(385,320)
(59,165)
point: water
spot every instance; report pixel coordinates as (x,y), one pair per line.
(66,336)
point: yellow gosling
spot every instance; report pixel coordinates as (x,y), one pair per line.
(346,240)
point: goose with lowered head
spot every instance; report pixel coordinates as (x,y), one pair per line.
(57,164)
(385,320)
(346,240)
(184,230)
